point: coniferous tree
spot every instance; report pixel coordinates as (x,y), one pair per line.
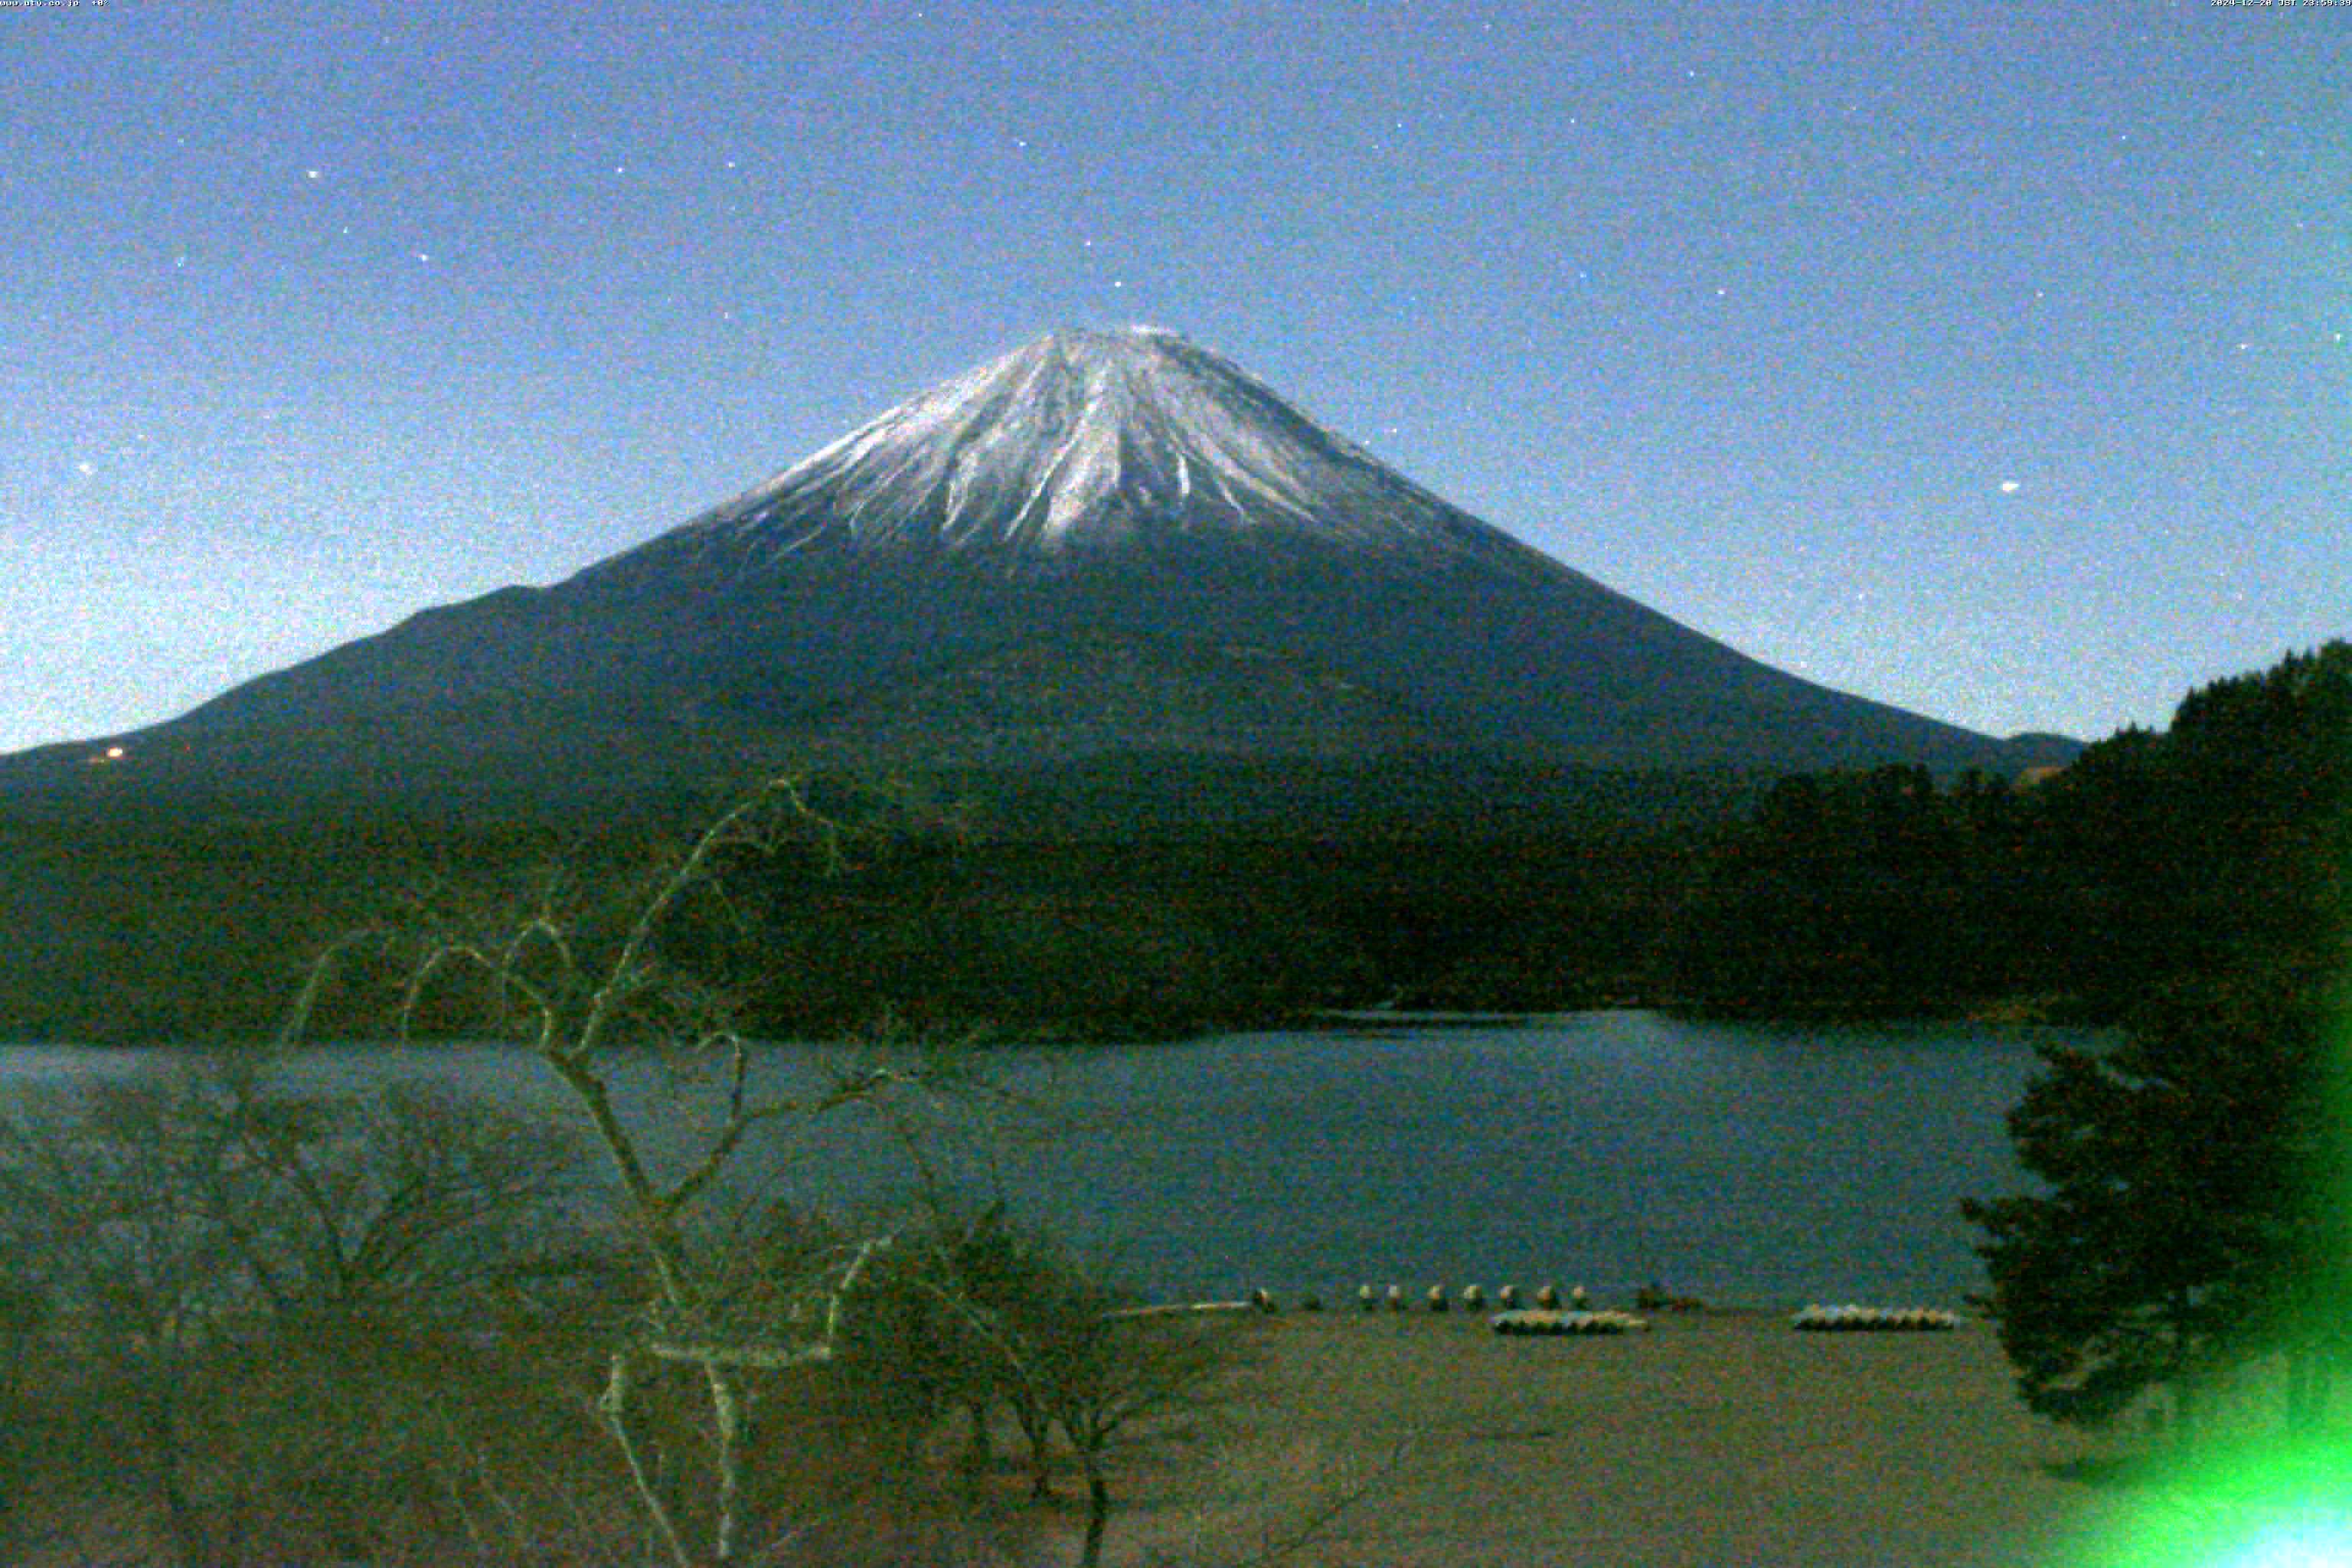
(2181,1231)
(2195,1211)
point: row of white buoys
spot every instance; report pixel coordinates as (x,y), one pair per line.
(1540,1321)
(1853,1319)
(1473,1300)
(1551,1316)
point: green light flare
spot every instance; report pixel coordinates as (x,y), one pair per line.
(2279,1502)
(2268,1506)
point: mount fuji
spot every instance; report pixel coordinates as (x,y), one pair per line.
(1103,544)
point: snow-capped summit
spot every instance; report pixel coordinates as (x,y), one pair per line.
(1084,441)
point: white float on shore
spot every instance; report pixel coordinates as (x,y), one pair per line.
(1539,1321)
(1850,1319)
(1543,1318)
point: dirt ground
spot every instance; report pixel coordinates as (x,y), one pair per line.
(1716,1439)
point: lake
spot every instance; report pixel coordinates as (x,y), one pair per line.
(1750,1164)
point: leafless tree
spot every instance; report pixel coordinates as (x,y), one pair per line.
(1021,1323)
(187,1221)
(1107,1382)
(584,1005)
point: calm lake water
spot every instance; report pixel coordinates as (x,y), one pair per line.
(1759,1166)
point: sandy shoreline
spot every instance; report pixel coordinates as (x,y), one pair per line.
(1718,1438)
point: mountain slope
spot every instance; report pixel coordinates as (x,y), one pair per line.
(1089,519)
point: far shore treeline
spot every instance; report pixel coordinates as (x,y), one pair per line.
(1140,896)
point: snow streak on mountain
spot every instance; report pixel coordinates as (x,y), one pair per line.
(1082,443)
